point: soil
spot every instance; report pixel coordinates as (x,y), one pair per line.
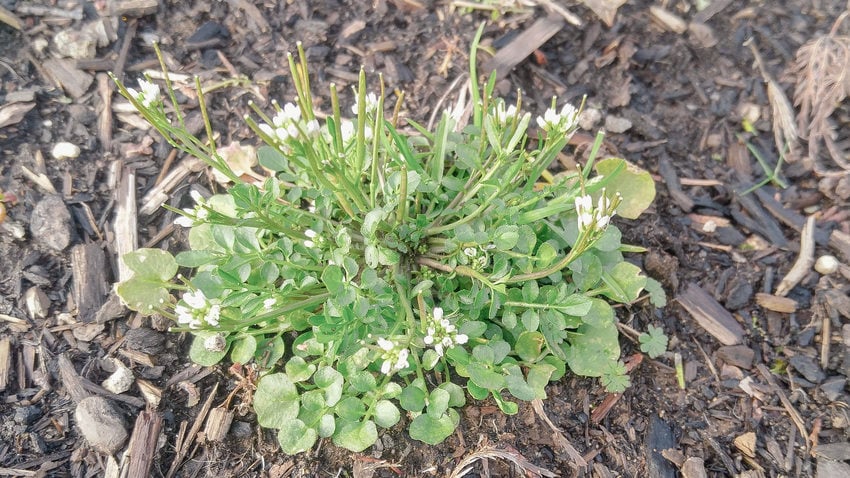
(675,103)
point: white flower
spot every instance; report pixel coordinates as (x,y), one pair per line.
(149,94)
(584,210)
(193,215)
(269,303)
(563,121)
(312,129)
(310,233)
(394,357)
(385,344)
(470,251)
(598,218)
(371,103)
(461,339)
(442,333)
(402,362)
(196,299)
(309,244)
(213,315)
(502,116)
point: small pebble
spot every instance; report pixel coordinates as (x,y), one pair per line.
(50,223)
(589,118)
(27,415)
(833,388)
(101,424)
(616,124)
(65,150)
(826,265)
(807,367)
(121,379)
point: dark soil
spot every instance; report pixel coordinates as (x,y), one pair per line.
(685,96)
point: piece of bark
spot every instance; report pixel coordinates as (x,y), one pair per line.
(111,309)
(185,443)
(88,264)
(776,303)
(65,74)
(694,467)
(5,362)
(659,438)
(134,9)
(710,315)
(13,113)
(737,355)
(522,45)
(71,380)
(674,187)
(218,424)
(157,196)
(142,448)
(125,226)
(759,220)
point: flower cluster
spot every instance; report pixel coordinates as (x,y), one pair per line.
(287,123)
(502,116)
(197,310)
(442,334)
(149,94)
(597,218)
(564,121)
(394,357)
(196,214)
(371,104)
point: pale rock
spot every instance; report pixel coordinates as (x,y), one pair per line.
(65,150)
(101,424)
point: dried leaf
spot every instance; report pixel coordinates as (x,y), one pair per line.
(822,83)
(606,10)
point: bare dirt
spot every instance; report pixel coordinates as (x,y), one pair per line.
(677,103)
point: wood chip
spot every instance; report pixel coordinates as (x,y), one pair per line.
(125,224)
(218,424)
(71,380)
(710,315)
(694,467)
(746,444)
(776,303)
(13,113)
(669,20)
(5,362)
(134,9)
(557,436)
(143,443)
(88,264)
(65,74)
(803,265)
(521,46)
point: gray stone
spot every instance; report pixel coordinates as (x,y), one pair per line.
(839,451)
(50,223)
(807,367)
(833,387)
(832,469)
(101,424)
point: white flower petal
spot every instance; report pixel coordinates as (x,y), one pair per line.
(461,339)
(385,344)
(438,314)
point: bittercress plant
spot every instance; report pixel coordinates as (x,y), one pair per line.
(373,273)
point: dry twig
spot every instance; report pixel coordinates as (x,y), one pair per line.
(529,469)
(821,70)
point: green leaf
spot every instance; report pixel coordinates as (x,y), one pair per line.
(485,378)
(530,319)
(412,398)
(456,396)
(506,406)
(355,436)
(196,258)
(153,264)
(600,313)
(438,402)
(363,381)
(506,237)
(473,328)
(143,295)
(653,342)
(430,358)
(624,282)
(615,379)
(386,414)
(633,183)
(200,355)
(276,401)
(350,408)
(476,392)
(518,387)
(331,382)
(327,425)
(656,292)
(333,278)
(298,370)
(243,349)
(539,376)
(530,345)
(430,430)
(272,351)
(272,159)
(295,437)
(593,349)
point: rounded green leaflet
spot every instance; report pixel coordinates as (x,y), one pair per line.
(386,414)
(430,430)
(438,402)
(355,436)
(529,346)
(153,264)
(200,354)
(633,183)
(276,400)
(243,349)
(593,349)
(298,369)
(295,437)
